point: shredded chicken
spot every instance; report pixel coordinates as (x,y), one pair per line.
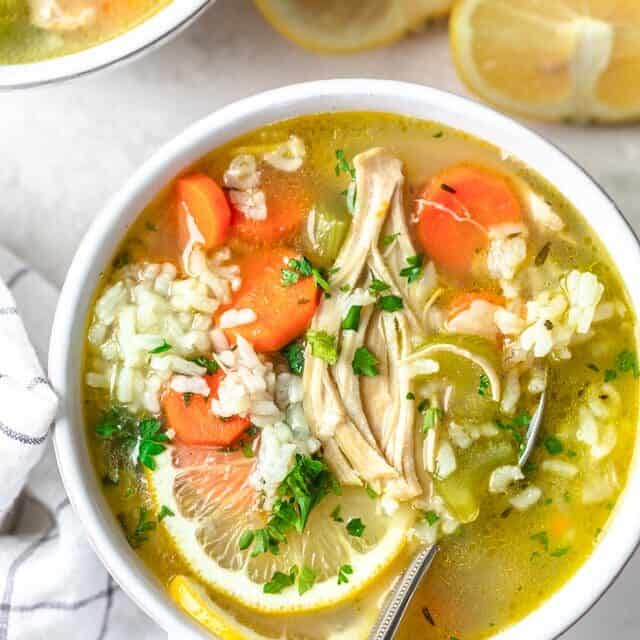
(366,424)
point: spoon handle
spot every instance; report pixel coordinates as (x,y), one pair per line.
(402,594)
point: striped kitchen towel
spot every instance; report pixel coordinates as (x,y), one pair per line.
(52,585)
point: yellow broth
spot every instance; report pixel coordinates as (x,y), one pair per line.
(494,571)
(22,42)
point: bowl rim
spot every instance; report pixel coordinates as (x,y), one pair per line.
(133,43)
(622,535)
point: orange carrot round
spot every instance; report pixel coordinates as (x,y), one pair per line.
(287,206)
(457,208)
(200,197)
(194,423)
(282,312)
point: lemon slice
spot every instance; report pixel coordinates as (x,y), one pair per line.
(553,59)
(342,26)
(193,599)
(210,492)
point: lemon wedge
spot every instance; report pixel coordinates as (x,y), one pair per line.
(344,26)
(552,59)
(209,491)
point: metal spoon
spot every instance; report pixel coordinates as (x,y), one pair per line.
(396,605)
(534,426)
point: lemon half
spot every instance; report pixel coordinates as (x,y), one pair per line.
(344,26)
(552,59)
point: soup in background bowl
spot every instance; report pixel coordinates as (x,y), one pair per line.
(47,40)
(319,346)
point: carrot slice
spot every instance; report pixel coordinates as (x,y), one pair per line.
(200,197)
(457,208)
(287,206)
(282,312)
(194,424)
(462,301)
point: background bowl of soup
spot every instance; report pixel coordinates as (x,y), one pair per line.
(621,535)
(39,45)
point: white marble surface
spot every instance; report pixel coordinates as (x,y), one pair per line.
(65,149)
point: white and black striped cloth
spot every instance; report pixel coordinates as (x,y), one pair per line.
(52,586)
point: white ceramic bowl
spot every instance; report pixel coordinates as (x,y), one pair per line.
(162,26)
(97,248)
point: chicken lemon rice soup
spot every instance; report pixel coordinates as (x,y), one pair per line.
(320,348)
(33,30)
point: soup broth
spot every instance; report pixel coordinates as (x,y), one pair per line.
(34,30)
(480,289)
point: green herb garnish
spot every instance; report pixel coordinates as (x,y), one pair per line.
(163,348)
(323,346)
(378,286)
(344,572)
(364,363)
(210,365)
(553,445)
(165,512)
(280,581)
(390,303)
(388,240)
(294,353)
(335,514)
(414,269)
(543,538)
(355,527)
(484,384)
(431,517)
(306,579)
(351,321)
(144,525)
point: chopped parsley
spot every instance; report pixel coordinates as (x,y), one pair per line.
(351,321)
(323,346)
(610,375)
(371,492)
(210,365)
(289,277)
(343,166)
(559,552)
(430,418)
(414,267)
(151,442)
(411,396)
(515,427)
(125,431)
(280,581)
(483,385)
(143,527)
(294,353)
(302,268)
(246,539)
(542,537)
(355,527)
(553,445)
(627,361)
(431,517)
(388,240)
(165,512)
(306,579)
(335,514)
(377,286)
(390,303)
(247,450)
(163,348)
(344,572)
(364,363)
(593,367)
(303,488)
